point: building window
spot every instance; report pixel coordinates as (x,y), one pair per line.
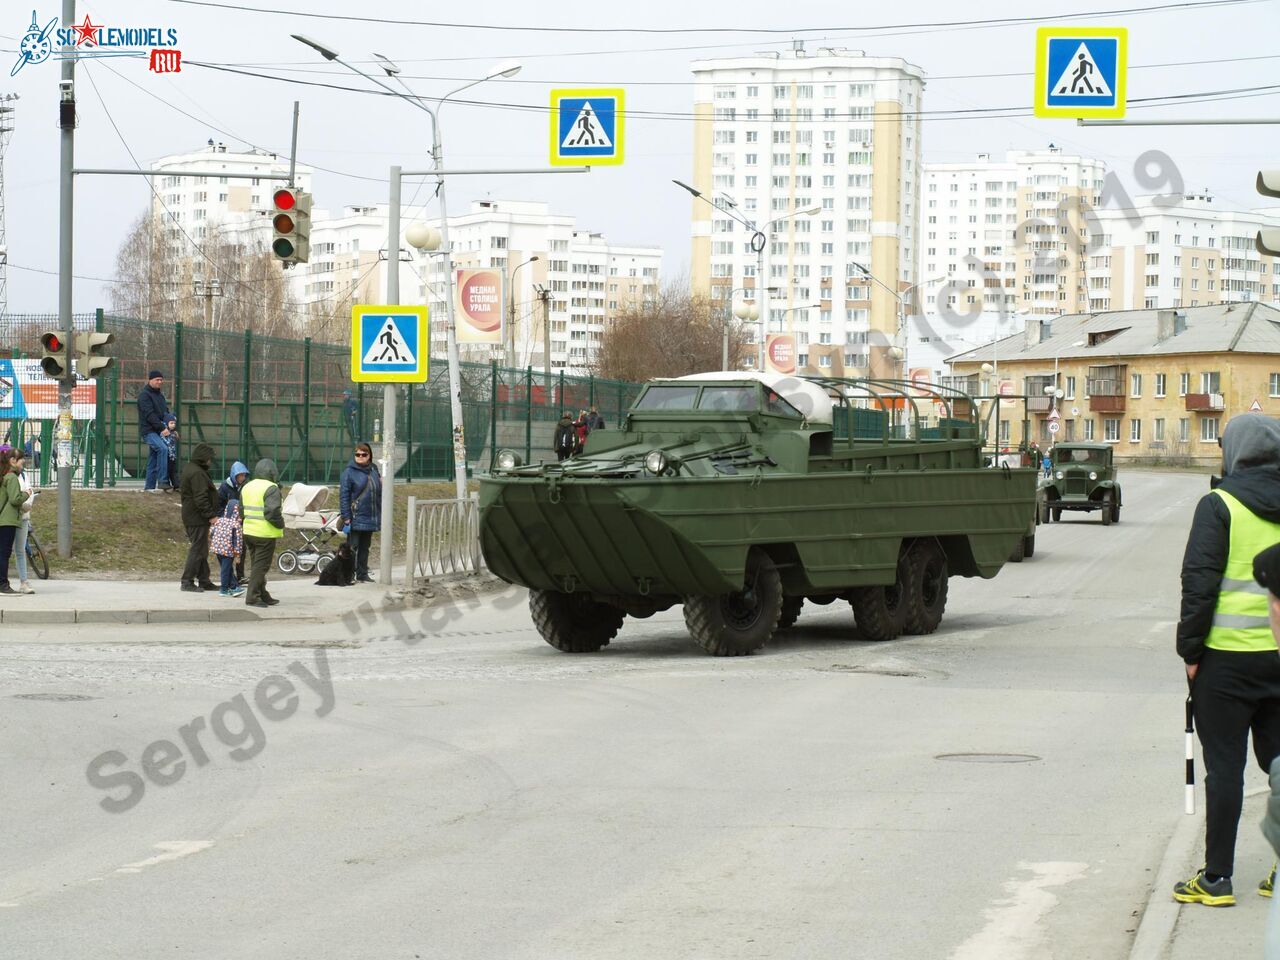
(1135,431)
(1071,388)
(1209,430)
(1159,384)
(1275,385)
(1184,430)
(1211,383)
(1184,385)
(1135,385)
(1157,433)
(1111,429)
(1088,429)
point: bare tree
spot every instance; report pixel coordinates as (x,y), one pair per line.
(676,333)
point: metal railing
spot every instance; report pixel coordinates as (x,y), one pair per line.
(443,537)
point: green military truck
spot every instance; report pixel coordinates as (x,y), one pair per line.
(741,496)
(1083,477)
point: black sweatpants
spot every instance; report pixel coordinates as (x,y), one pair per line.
(260,551)
(197,566)
(1234,694)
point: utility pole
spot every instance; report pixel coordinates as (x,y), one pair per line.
(544,296)
(66,223)
(6,130)
(207,290)
(389,389)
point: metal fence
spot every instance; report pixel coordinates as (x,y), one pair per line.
(293,401)
(443,537)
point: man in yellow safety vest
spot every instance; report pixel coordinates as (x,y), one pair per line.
(263,526)
(1225,640)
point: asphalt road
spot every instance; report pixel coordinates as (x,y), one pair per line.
(478,794)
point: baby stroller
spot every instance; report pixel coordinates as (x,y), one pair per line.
(304,511)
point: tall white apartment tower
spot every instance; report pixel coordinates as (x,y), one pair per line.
(779,134)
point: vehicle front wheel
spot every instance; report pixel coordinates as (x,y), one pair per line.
(733,624)
(1115,513)
(1107,509)
(573,622)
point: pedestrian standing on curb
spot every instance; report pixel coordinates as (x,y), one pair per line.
(229,490)
(17,465)
(360,507)
(1266,571)
(566,438)
(263,526)
(153,408)
(227,541)
(1225,640)
(199,510)
(11,500)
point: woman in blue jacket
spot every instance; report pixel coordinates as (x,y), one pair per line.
(360,505)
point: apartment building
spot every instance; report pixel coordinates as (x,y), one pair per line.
(821,151)
(589,280)
(1155,383)
(1186,254)
(1001,240)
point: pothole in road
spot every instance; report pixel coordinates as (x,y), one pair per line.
(874,671)
(52,697)
(989,757)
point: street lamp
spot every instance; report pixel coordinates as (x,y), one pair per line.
(511,305)
(759,239)
(898,350)
(506,68)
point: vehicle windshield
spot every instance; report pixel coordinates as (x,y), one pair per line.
(1094,458)
(668,397)
(728,398)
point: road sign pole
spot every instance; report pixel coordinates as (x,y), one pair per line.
(389,389)
(66,222)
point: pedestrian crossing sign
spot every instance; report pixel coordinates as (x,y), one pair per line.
(587,127)
(1080,72)
(389,344)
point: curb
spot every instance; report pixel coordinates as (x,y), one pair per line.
(1160,916)
(127,616)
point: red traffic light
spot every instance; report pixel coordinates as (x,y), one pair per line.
(284,199)
(282,222)
(51,341)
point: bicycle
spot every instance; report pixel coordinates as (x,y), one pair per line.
(36,560)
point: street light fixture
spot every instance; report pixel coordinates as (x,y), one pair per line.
(506,68)
(511,305)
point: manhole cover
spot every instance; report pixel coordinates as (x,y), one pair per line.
(55,697)
(988,757)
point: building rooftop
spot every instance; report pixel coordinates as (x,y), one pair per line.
(1116,334)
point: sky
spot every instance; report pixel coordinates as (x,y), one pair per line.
(129,116)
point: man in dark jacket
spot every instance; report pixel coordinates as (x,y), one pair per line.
(594,420)
(1225,640)
(565,443)
(153,412)
(200,508)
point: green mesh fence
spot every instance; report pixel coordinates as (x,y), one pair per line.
(293,401)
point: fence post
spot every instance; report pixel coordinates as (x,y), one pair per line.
(360,433)
(560,392)
(411,544)
(114,378)
(306,409)
(177,375)
(528,414)
(591,391)
(244,410)
(408,432)
(99,415)
(493,411)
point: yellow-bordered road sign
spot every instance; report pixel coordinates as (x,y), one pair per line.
(1080,72)
(389,344)
(587,127)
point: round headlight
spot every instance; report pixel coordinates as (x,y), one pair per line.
(507,460)
(656,462)
(1060,474)
(1093,476)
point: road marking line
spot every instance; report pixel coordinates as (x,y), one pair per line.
(1013,925)
(174,849)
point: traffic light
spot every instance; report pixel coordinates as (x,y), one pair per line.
(1268,241)
(56,359)
(89,357)
(291,225)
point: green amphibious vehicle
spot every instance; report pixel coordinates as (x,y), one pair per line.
(740,496)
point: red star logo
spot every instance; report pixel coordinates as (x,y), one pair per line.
(88,32)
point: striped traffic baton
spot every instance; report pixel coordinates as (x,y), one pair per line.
(1190,800)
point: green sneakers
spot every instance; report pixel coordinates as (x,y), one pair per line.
(1268,885)
(1199,890)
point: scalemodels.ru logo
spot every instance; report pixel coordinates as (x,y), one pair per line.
(99,40)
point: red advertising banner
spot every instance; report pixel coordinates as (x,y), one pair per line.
(480,298)
(780,353)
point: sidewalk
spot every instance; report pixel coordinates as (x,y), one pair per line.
(150,601)
(1172,931)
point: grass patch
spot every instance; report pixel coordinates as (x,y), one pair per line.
(131,535)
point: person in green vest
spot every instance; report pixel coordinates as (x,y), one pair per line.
(1226,643)
(263,526)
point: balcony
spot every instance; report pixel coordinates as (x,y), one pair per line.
(1106,403)
(1205,403)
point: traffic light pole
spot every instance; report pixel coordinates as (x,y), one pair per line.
(66,220)
(389,391)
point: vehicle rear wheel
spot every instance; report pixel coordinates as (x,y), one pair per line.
(573,622)
(881,612)
(733,624)
(791,607)
(1107,509)
(287,562)
(1029,546)
(926,588)
(1019,551)
(1045,515)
